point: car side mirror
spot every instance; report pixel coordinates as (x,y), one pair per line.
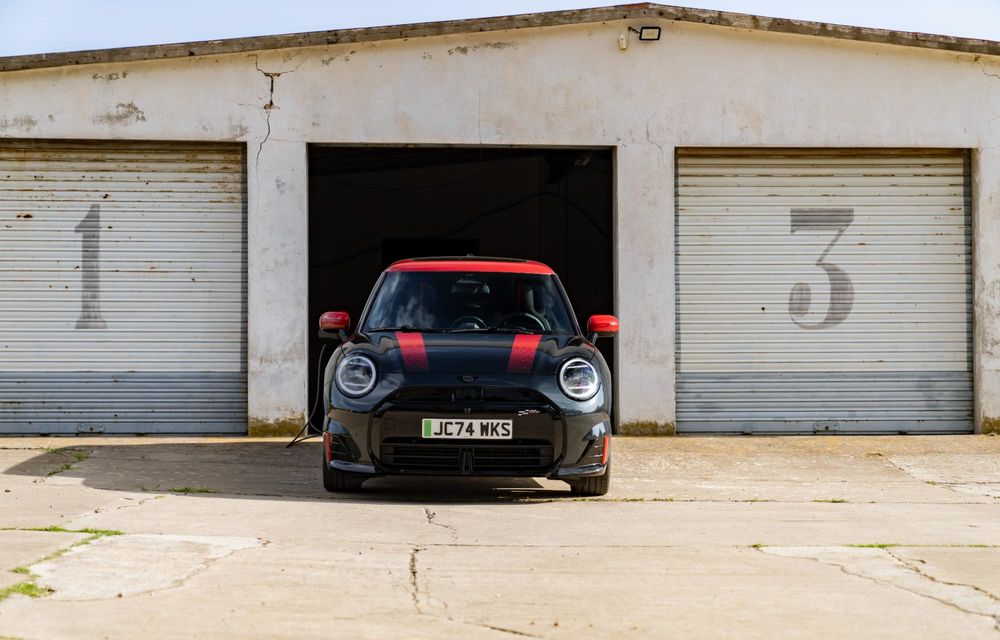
(602,327)
(333,325)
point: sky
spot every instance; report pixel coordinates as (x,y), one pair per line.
(46,26)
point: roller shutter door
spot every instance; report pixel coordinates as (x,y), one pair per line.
(122,287)
(823,291)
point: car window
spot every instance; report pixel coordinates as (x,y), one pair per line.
(474,301)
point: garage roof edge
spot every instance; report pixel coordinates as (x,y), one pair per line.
(502,23)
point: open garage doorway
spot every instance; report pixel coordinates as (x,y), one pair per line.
(371,206)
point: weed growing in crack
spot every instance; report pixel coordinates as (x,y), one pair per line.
(831,500)
(191,490)
(100,533)
(65,467)
(875,545)
(76,454)
(29,587)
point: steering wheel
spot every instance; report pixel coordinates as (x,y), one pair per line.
(478,322)
(532,319)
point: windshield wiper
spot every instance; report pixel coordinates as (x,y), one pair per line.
(495,330)
(406,327)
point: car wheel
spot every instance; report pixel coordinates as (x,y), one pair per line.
(592,486)
(340,481)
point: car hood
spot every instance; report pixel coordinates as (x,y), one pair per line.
(470,353)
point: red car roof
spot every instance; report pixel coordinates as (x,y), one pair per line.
(489,265)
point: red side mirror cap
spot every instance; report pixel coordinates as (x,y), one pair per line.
(602,326)
(335,321)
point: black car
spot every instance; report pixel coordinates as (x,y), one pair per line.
(467,367)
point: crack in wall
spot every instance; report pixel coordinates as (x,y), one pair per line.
(270,75)
(269,105)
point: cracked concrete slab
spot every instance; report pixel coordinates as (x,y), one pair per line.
(884,567)
(126,565)
(21,548)
(43,505)
(669,552)
(966,473)
(957,565)
(592,591)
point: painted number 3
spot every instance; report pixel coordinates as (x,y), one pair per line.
(841,287)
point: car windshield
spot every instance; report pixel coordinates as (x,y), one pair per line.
(469,302)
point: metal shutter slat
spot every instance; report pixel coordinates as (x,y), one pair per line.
(171,287)
(896,224)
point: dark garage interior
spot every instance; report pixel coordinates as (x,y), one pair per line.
(371,206)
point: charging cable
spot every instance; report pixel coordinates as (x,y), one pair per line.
(303,434)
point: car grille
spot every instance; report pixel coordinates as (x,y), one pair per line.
(413,456)
(486,398)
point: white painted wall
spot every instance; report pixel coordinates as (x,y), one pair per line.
(700,85)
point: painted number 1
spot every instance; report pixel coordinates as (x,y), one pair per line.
(90,278)
(841,287)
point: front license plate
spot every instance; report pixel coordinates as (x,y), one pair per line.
(477,429)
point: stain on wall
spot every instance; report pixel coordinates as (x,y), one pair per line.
(124,113)
(22,123)
(464,50)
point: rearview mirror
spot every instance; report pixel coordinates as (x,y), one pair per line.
(333,325)
(602,326)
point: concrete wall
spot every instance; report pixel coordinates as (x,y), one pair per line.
(700,85)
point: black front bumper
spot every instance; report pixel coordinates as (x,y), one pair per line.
(545,442)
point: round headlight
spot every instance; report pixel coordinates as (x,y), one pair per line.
(578,379)
(356,375)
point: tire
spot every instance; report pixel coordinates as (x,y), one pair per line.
(339,481)
(592,486)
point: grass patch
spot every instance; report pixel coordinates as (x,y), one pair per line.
(22,570)
(29,589)
(757,546)
(933,483)
(191,490)
(978,546)
(100,533)
(831,500)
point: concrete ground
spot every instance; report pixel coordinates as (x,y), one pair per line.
(700,537)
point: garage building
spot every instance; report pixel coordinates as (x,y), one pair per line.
(798,224)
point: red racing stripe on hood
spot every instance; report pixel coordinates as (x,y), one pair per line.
(414,354)
(522,353)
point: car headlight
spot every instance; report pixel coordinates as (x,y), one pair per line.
(578,379)
(356,375)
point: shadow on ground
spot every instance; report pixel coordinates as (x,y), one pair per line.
(245,469)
